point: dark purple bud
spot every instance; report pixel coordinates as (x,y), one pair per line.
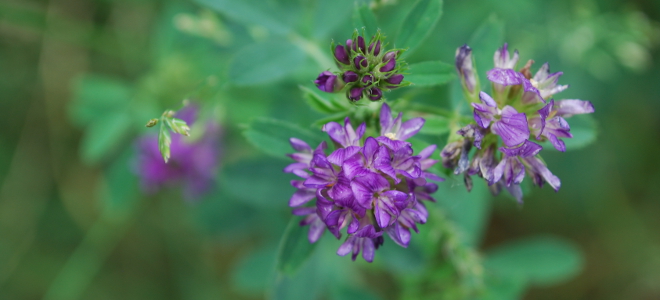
(360,62)
(361,44)
(389,55)
(465,69)
(376,51)
(389,66)
(367,79)
(375,94)
(349,76)
(395,79)
(349,45)
(355,94)
(341,55)
(326,81)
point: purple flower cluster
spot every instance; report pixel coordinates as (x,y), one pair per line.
(193,163)
(520,108)
(365,71)
(369,187)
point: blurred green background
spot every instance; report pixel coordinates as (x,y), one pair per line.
(80,78)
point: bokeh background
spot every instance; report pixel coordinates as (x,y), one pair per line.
(80,78)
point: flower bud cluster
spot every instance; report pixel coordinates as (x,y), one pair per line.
(370,187)
(366,69)
(520,108)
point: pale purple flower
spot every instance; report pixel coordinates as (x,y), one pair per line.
(507,123)
(372,191)
(365,240)
(465,68)
(393,132)
(503,60)
(546,82)
(550,122)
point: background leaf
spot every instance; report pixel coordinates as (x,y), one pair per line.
(540,260)
(265,62)
(272,136)
(484,42)
(363,16)
(419,22)
(295,248)
(250,12)
(105,136)
(431,73)
(320,102)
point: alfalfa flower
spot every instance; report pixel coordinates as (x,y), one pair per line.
(365,70)
(368,185)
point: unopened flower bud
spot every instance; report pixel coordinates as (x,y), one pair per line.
(375,50)
(152,123)
(341,55)
(360,62)
(326,82)
(355,94)
(367,80)
(395,79)
(361,44)
(375,94)
(465,68)
(349,76)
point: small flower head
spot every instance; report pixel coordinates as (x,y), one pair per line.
(369,186)
(366,69)
(519,110)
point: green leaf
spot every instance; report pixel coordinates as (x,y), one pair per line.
(272,136)
(96,96)
(252,273)
(320,103)
(338,117)
(122,184)
(105,136)
(484,42)
(419,22)
(249,12)
(265,62)
(260,183)
(178,126)
(540,260)
(352,293)
(435,125)
(295,248)
(164,141)
(364,17)
(503,288)
(431,73)
(584,129)
(468,210)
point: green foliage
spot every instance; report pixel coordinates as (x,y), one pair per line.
(539,260)
(584,129)
(431,73)
(239,179)
(272,136)
(363,17)
(419,22)
(485,40)
(265,62)
(321,103)
(295,248)
(249,12)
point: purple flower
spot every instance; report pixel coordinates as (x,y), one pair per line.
(550,124)
(350,76)
(355,94)
(193,163)
(375,94)
(326,82)
(368,190)
(503,60)
(546,82)
(390,62)
(366,240)
(465,68)
(341,55)
(360,62)
(395,79)
(508,77)
(393,132)
(511,126)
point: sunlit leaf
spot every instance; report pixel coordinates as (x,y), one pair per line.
(96,96)
(419,22)
(320,103)
(164,142)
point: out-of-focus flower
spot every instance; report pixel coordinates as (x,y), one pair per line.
(192,164)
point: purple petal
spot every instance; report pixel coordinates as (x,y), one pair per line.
(487,99)
(341,55)
(505,76)
(368,250)
(410,128)
(316,229)
(300,145)
(399,234)
(567,108)
(341,154)
(364,188)
(386,120)
(301,197)
(512,127)
(525,150)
